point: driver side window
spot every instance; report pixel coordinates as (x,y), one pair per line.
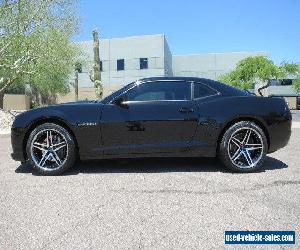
(160,91)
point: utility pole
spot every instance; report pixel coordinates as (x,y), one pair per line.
(76,85)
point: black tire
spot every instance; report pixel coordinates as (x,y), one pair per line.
(227,153)
(51,166)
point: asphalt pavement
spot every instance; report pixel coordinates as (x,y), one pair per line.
(147,203)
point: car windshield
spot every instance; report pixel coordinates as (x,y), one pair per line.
(117,93)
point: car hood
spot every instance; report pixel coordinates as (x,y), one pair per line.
(65,111)
(76,103)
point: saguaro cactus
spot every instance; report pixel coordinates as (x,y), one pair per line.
(95,73)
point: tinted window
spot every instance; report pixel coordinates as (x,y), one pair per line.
(120,64)
(155,91)
(201,90)
(143,63)
(117,93)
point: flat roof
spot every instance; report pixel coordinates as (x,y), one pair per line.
(285,95)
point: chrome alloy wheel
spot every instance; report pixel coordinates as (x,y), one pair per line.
(245,147)
(49,149)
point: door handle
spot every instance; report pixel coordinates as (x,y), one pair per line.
(186,110)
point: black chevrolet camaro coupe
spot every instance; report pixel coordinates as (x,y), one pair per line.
(155,117)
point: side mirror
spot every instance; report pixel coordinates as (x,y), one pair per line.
(120,101)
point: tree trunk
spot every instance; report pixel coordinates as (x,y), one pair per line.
(1,99)
(4,87)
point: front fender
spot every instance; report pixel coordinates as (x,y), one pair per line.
(81,120)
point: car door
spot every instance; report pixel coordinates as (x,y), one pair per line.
(157,117)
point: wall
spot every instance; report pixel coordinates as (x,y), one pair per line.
(210,65)
(84,93)
(167,59)
(16,102)
(131,49)
(292,102)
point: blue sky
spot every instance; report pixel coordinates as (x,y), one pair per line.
(193,27)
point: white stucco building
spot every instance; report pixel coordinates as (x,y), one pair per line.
(126,59)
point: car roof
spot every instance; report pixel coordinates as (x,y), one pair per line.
(171,78)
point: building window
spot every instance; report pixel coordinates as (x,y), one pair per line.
(286,82)
(143,63)
(120,64)
(101,66)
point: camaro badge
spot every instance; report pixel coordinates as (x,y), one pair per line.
(86,124)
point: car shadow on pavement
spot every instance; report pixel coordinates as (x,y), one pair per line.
(154,165)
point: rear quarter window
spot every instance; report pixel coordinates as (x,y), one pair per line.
(201,90)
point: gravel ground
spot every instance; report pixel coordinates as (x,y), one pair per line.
(296,115)
(151,204)
(6,120)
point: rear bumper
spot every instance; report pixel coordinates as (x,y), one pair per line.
(280,133)
(17,138)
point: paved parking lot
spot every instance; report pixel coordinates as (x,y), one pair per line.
(152,204)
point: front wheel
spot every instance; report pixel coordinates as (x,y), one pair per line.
(243,147)
(51,149)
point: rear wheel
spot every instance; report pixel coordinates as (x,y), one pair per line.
(51,149)
(243,147)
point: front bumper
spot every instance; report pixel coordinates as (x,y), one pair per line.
(17,139)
